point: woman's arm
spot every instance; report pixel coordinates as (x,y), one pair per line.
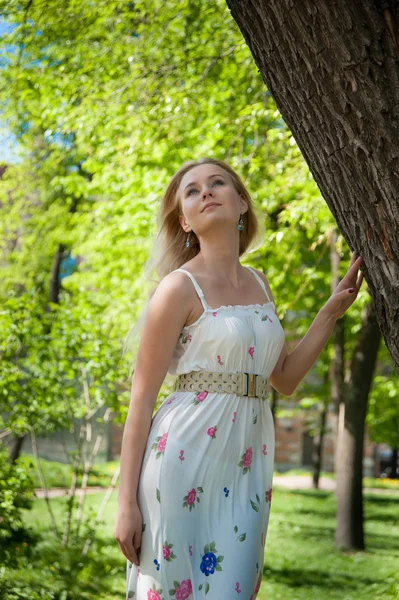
(292,367)
(166,314)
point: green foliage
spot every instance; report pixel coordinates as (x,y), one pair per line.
(16,493)
(106,104)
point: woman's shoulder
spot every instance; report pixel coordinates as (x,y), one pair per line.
(265,281)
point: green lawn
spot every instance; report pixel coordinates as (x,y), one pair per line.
(60,475)
(300,559)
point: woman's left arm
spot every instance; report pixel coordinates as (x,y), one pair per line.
(292,367)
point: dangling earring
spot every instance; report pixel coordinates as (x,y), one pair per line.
(188,239)
(240,224)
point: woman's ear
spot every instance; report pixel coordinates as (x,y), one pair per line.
(243,204)
(184,223)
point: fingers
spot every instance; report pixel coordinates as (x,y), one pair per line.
(351,274)
(355,264)
(360,280)
(130,553)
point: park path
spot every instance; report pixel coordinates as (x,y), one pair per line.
(291,482)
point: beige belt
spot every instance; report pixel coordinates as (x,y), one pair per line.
(242,384)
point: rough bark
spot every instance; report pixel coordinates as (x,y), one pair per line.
(318,440)
(333,70)
(349,532)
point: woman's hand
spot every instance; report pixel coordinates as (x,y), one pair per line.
(346,291)
(128,531)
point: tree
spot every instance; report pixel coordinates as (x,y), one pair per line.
(332,69)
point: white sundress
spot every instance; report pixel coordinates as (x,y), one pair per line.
(205,486)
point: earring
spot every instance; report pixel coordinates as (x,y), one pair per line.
(188,239)
(240,224)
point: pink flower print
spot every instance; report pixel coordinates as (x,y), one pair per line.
(162,443)
(234,417)
(212,431)
(238,588)
(264,449)
(168,553)
(246,460)
(192,497)
(220,360)
(184,590)
(190,550)
(214,314)
(266,318)
(185,338)
(138,573)
(153,595)
(181,456)
(268,495)
(159,444)
(251,351)
(171,400)
(200,397)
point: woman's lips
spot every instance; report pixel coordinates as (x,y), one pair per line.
(211,206)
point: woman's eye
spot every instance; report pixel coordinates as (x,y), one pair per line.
(218,181)
(192,190)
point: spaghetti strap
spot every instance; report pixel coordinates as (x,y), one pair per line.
(262,283)
(197,287)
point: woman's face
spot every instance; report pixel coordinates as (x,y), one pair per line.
(205,185)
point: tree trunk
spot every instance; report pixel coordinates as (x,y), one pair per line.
(317,454)
(16,448)
(338,363)
(273,406)
(394,464)
(333,70)
(349,464)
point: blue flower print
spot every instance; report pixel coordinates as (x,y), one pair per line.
(226,491)
(157,564)
(208,563)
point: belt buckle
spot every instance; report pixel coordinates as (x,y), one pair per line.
(251,384)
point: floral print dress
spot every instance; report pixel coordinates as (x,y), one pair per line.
(205,486)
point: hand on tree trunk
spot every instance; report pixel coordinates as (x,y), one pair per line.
(346,291)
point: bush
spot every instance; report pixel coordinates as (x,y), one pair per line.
(16,493)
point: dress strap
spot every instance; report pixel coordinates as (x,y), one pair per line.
(260,280)
(197,287)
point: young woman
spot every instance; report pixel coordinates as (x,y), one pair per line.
(196,478)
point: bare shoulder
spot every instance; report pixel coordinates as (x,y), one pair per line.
(173,296)
(175,283)
(266,282)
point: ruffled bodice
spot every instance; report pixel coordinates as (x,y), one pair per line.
(230,338)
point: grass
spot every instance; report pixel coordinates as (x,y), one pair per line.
(301,562)
(60,475)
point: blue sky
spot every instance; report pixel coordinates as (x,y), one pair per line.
(8,144)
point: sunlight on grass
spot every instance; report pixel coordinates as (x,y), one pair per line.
(301,562)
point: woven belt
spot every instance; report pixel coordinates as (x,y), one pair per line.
(242,384)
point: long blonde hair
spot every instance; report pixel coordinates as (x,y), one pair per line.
(169,251)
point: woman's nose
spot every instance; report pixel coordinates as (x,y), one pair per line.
(205,193)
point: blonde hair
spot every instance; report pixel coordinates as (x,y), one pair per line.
(169,251)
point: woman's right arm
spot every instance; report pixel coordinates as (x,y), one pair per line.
(167,312)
